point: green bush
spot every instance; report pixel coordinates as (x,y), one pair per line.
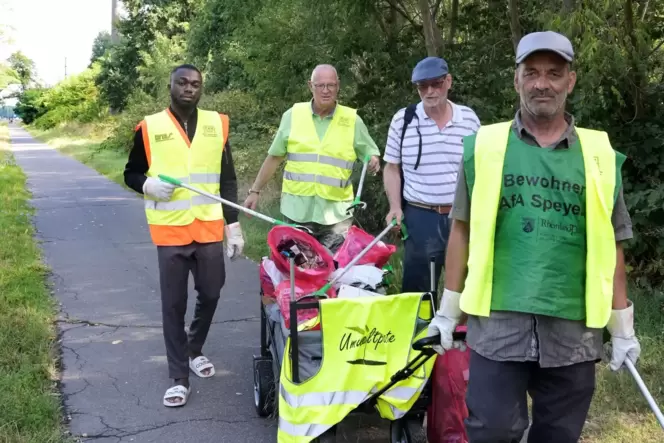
(75,99)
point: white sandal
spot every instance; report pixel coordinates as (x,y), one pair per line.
(200,364)
(178,391)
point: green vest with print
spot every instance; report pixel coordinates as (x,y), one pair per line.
(540,237)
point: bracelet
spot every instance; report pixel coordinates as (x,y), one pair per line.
(251,191)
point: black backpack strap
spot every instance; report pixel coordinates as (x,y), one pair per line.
(407,118)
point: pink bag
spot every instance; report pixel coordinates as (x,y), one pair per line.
(302,288)
(281,236)
(355,242)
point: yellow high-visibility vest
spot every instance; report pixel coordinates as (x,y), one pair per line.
(600,176)
(320,167)
(366,340)
(197,163)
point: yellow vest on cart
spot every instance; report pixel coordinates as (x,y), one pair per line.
(197,163)
(320,167)
(366,340)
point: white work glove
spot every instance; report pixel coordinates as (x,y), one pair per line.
(445,321)
(234,240)
(157,189)
(623,340)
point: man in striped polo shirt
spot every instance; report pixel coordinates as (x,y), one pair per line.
(421,169)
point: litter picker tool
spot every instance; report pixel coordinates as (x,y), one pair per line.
(645,392)
(404,235)
(357,202)
(274,221)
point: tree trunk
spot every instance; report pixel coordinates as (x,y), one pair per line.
(515,26)
(453,22)
(432,37)
(637,74)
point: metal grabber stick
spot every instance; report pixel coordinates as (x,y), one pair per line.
(357,202)
(645,392)
(176,182)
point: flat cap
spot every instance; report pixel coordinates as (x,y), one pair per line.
(429,68)
(544,41)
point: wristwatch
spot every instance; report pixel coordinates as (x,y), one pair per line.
(251,191)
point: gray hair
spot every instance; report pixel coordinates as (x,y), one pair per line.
(321,67)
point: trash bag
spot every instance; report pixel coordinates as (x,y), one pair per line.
(355,242)
(312,260)
(302,288)
(447,411)
(270,277)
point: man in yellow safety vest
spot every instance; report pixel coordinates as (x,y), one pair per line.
(538,224)
(320,141)
(190,144)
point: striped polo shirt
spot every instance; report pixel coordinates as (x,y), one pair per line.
(434,181)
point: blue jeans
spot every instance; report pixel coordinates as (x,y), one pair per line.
(428,233)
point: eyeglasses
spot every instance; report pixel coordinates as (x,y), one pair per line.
(436,85)
(322,86)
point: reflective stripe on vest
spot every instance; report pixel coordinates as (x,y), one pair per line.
(324,159)
(320,167)
(600,172)
(359,358)
(312,178)
(197,163)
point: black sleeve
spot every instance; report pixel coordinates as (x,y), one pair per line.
(137,165)
(228,184)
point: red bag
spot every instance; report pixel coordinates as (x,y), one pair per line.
(302,288)
(355,242)
(281,235)
(266,282)
(447,411)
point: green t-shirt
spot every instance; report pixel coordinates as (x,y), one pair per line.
(540,240)
(305,209)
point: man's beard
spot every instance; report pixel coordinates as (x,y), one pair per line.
(544,110)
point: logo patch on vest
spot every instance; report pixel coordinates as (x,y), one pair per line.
(209,131)
(365,338)
(528,224)
(163,137)
(344,121)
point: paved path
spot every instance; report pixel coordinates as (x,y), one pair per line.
(104,275)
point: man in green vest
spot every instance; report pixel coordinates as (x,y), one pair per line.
(535,259)
(320,141)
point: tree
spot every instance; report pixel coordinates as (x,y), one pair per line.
(24,68)
(101,44)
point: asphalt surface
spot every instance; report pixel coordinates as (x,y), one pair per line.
(104,275)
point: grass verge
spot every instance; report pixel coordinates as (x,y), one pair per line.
(619,413)
(30,406)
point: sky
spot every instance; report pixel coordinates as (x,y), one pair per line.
(48,31)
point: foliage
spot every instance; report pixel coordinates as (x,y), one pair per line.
(7,76)
(30,105)
(24,68)
(75,99)
(100,46)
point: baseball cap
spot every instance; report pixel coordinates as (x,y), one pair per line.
(544,41)
(428,68)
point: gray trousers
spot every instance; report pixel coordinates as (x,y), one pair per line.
(498,406)
(206,263)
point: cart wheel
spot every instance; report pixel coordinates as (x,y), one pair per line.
(330,436)
(407,431)
(263,387)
